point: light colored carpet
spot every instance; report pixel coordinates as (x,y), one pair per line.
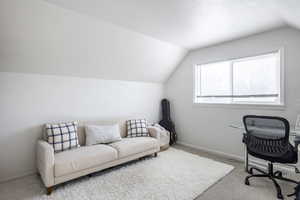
(232,186)
(174,174)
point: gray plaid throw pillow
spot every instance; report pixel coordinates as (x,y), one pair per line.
(62,136)
(137,128)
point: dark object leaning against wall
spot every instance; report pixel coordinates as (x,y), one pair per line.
(166,121)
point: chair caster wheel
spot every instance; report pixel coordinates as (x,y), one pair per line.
(279,196)
(247,182)
(251,171)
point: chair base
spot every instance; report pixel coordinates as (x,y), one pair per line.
(49,190)
(271,175)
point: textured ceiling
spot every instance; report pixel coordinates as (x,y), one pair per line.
(192,23)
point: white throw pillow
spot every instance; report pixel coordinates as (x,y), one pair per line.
(102,134)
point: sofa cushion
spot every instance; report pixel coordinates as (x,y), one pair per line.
(131,146)
(67,162)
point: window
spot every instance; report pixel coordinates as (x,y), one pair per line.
(251,80)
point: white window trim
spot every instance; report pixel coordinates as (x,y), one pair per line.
(254,105)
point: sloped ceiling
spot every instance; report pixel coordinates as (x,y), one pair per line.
(139,40)
(192,23)
(289,10)
(39,37)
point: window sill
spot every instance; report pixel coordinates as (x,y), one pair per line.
(242,106)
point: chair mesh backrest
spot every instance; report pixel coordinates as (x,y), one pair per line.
(268,136)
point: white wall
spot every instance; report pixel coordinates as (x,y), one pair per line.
(39,37)
(207,127)
(28,101)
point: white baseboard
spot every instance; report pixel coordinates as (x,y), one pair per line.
(27,173)
(219,153)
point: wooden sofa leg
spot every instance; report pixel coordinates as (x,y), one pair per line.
(155,154)
(49,190)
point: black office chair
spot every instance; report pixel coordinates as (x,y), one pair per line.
(267,138)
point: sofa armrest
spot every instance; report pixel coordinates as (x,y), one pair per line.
(45,162)
(154,132)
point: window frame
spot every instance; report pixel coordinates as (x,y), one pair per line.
(267,105)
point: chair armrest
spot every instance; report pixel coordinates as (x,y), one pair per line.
(154,132)
(297,142)
(45,162)
(244,138)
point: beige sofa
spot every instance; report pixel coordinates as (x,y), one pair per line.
(56,168)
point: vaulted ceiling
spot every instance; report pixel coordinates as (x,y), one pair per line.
(138,40)
(192,23)
(42,38)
